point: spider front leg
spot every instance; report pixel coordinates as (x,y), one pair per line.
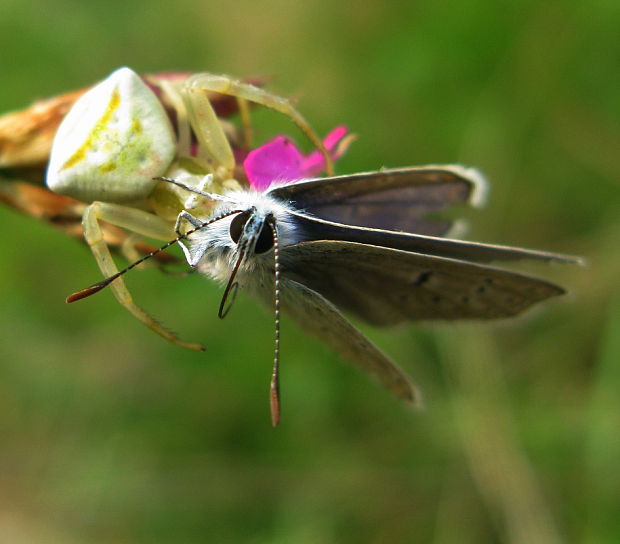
(208,129)
(142,223)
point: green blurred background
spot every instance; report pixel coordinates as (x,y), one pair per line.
(109,434)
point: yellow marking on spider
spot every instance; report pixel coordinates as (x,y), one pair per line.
(133,153)
(136,126)
(107,167)
(100,126)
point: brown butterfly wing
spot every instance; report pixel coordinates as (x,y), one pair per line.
(396,199)
(320,318)
(314,229)
(387,286)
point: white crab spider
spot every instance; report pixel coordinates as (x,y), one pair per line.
(117,137)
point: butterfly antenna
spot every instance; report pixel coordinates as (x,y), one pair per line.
(231,288)
(275,374)
(212,196)
(95,288)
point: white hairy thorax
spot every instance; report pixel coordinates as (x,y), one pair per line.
(213,251)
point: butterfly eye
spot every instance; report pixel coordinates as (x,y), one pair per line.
(237,224)
(265,238)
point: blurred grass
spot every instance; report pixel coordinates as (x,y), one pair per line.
(111,435)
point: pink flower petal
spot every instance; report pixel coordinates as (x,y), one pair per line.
(332,139)
(280,161)
(315,162)
(277,160)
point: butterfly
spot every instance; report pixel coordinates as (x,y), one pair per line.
(371,244)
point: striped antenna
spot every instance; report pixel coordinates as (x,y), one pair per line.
(95,288)
(275,373)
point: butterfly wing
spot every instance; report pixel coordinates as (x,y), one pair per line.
(314,229)
(391,208)
(320,318)
(397,199)
(386,286)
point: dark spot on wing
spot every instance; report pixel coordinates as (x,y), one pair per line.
(436,298)
(422,279)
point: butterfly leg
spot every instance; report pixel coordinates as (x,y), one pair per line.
(142,223)
(196,223)
(193,258)
(198,85)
